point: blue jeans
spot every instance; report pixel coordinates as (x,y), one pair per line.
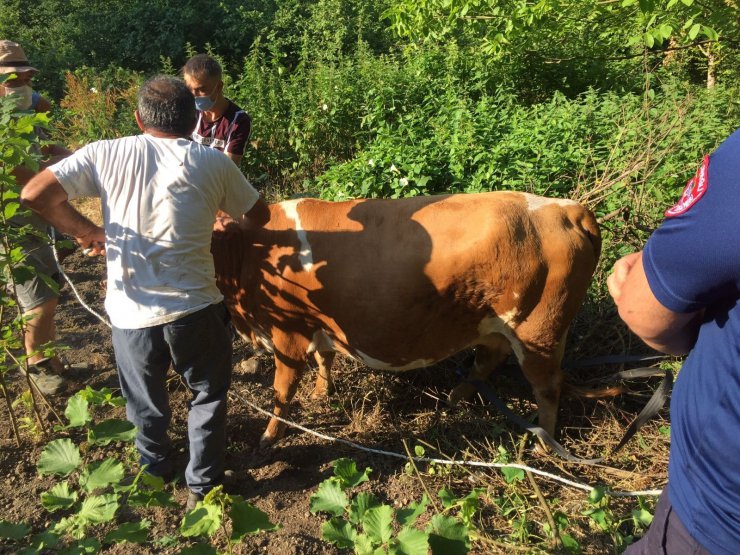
(199,348)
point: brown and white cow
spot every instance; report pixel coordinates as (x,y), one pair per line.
(402,284)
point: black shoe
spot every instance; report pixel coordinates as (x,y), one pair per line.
(46,379)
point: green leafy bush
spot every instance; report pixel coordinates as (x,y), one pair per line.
(92,492)
(366,525)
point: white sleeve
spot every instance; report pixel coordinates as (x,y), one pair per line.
(239,196)
(76,173)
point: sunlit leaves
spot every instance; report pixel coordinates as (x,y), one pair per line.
(60,457)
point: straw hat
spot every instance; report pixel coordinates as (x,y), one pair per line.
(12,58)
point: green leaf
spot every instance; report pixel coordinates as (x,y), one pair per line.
(58,497)
(642,516)
(151,499)
(39,542)
(114,429)
(132,532)
(687,2)
(360,504)
(329,498)
(406,517)
(411,541)
(694,31)
(76,411)
(339,532)
(570,543)
(447,497)
(83,547)
(246,519)
(100,474)
(600,517)
(198,549)
(204,520)
(378,523)
(60,457)
(10,209)
(346,470)
(364,545)
(98,508)
(166,541)
(12,531)
(512,475)
(596,495)
(103,396)
(447,536)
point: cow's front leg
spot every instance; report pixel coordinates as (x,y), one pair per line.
(288,372)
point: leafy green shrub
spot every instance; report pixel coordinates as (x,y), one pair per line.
(93,490)
(98,105)
(367,526)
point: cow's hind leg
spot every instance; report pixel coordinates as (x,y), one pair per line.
(324,384)
(544,373)
(491,352)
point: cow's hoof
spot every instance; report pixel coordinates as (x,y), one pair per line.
(322,393)
(540,449)
(250,366)
(461,392)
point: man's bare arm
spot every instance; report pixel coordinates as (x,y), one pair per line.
(662,329)
(237,158)
(45,195)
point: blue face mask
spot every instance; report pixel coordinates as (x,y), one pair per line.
(204,103)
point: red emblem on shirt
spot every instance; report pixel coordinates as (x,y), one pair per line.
(695,189)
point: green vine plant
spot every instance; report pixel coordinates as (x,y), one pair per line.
(603,517)
(87,501)
(19,146)
(367,526)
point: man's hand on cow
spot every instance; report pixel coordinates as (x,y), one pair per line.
(615,282)
(93,242)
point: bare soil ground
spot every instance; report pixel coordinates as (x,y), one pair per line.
(378,410)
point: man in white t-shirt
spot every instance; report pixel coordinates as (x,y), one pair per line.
(160,193)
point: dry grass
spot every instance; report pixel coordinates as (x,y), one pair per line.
(386,411)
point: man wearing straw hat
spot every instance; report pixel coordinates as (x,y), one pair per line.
(37,299)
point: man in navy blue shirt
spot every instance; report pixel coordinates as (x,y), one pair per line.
(680,295)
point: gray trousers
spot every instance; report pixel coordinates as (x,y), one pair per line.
(667,535)
(199,348)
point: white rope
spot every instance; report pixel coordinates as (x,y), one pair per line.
(585,487)
(480,464)
(72,285)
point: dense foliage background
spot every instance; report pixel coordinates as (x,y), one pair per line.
(613,103)
(395,98)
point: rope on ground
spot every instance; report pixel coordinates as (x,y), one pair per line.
(72,285)
(480,464)
(571,483)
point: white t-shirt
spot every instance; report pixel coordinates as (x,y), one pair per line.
(159,199)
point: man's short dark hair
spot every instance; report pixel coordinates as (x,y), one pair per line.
(166,104)
(202,65)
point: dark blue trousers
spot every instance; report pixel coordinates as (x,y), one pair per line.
(199,348)
(667,535)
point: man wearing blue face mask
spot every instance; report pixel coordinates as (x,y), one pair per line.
(221,124)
